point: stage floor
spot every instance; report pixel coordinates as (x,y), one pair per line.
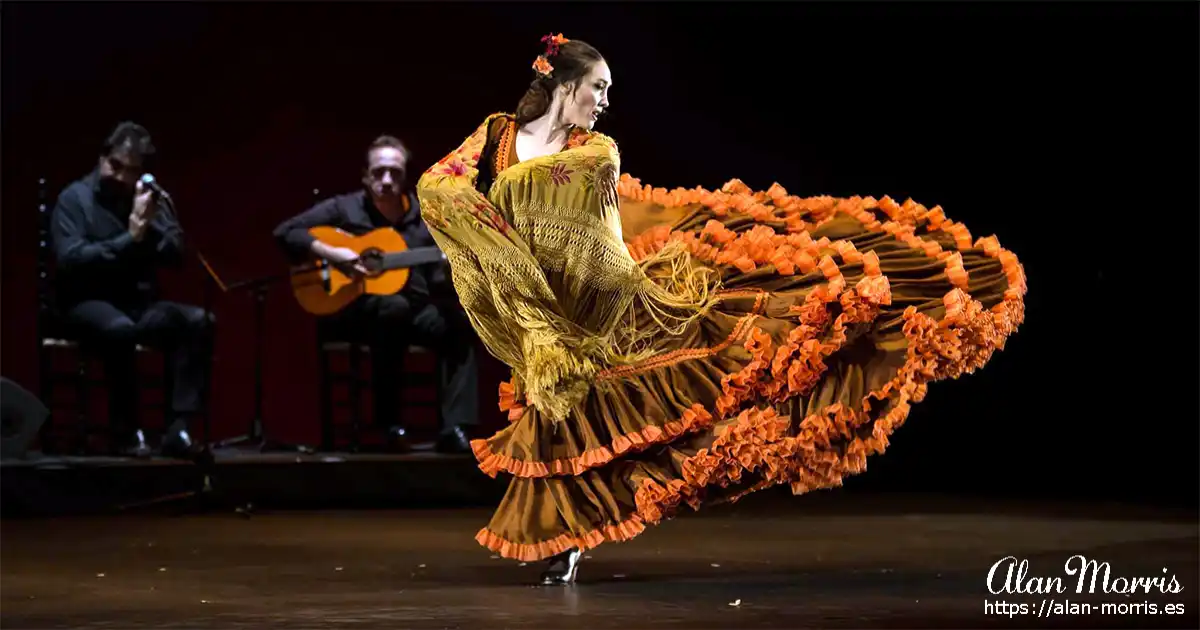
(56,485)
(845,562)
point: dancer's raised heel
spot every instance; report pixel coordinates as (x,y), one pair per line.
(563,568)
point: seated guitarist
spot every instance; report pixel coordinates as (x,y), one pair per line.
(426,310)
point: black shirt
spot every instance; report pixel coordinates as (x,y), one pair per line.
(355,213)
(97,258)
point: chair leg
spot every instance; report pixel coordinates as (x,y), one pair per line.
(440,374)
(46,389)
(400,397)
(327,430)
(168,381)
(355,397)
(210,350)
(82,404)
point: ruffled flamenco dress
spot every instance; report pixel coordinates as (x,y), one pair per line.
(760,339)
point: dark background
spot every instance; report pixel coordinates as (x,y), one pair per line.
(1067,130)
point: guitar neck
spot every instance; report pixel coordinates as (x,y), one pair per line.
(412,258)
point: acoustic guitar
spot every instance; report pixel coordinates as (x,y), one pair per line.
(323,288)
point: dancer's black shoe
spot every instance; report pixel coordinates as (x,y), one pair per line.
(563,568)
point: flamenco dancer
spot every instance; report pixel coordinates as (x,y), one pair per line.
(761,339)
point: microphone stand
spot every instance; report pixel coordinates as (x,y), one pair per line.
(256,437)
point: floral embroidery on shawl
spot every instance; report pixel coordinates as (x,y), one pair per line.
(499,281)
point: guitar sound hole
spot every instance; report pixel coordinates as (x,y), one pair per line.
(371,260)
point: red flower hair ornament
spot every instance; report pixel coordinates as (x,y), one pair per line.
(541,65)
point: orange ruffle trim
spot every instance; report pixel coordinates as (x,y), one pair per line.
(625,530)
(797,250)
(491,463)
(831,444)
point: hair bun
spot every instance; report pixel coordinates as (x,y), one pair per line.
(571,62)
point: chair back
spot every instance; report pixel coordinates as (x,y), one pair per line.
(47,307)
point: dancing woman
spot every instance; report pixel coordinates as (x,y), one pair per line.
(761,339)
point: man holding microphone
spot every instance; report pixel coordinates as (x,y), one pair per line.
(112,232)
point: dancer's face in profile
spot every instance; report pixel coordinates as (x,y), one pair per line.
(584,102)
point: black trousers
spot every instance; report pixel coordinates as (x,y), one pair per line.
(113,332)
(389,324)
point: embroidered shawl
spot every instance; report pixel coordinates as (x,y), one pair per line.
(538,263)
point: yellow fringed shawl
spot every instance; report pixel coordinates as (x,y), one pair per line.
(542,271)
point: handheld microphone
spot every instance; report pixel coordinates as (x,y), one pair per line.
(149,182)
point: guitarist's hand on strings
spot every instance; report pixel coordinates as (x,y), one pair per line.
(345,259)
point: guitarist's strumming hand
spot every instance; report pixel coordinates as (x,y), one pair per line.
(345,259)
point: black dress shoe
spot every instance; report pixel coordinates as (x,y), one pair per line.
(178,444)
(563,569)
(396,438)
(136,447)
(454,441)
